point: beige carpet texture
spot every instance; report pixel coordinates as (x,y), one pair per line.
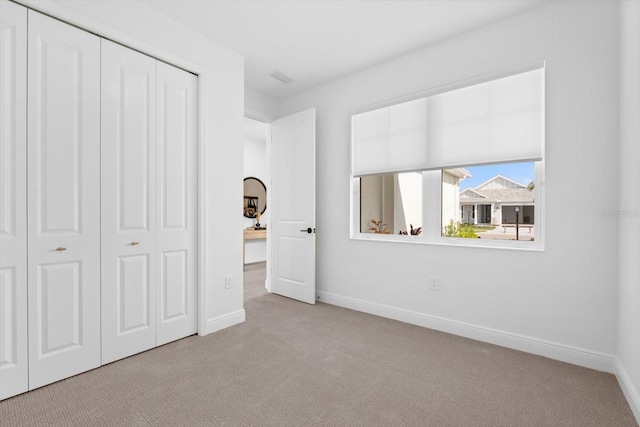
(293,364)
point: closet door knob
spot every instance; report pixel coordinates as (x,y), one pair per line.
(134,243)
(60,249)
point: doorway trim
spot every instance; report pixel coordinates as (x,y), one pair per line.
(266,119)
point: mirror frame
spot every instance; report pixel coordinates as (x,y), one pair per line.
(265,196)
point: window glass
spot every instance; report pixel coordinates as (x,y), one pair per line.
(493,202)
(391,203)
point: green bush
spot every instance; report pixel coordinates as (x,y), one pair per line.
(459,230)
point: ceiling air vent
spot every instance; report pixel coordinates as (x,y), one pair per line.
(279,75)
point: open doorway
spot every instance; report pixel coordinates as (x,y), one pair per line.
(287,227)
(255,211)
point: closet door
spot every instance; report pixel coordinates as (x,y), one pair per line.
(128,202)
(63,200)
(176,203)
(14,377)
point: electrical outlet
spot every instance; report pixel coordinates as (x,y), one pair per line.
(228,281)
(434,283)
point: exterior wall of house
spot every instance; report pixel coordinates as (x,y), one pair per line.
(377,201)
(371,206)
(468,214)
(498,184)
(450,198)
(496,214)
(408,202)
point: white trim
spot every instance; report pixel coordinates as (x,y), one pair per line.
(257,116)
(225,321)
(202,210)
(552,350)
(630,392)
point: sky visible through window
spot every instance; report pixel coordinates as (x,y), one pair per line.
(523,173)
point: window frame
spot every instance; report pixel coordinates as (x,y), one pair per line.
(432,183)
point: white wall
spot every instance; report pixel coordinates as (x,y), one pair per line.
(221,75)
(560,302)
(260,106)
(255,165)
(629,205)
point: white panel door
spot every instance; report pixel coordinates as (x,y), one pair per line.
(176,203)
(63,200)
(293,203)
(128,202)
(14,375)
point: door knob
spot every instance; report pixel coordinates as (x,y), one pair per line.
(308,230)
(60,249)
(134,243)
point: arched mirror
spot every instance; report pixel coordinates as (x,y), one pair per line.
(255,197)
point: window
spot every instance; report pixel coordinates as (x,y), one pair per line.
(491,202)
(391,203)
(458,166)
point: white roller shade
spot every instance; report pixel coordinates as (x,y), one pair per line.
(390,139)
(491,122)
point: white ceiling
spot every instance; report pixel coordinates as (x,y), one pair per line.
(315,41)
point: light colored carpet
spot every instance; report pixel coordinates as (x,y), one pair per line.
(292,364)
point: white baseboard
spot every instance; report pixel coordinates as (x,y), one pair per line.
(552,350)
(225,321)
(629,390)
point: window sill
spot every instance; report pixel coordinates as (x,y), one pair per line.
(452,241)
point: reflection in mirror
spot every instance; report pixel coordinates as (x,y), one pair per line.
(255,197)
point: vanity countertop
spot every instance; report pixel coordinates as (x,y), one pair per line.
(251,233)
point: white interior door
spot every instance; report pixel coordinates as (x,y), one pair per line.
(14,375)
(128,202)
(63,200)
(176,203)
(292,200)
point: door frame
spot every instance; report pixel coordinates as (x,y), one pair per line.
(264,118)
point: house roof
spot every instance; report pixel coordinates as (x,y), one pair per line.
(499,181)
(498,189)
(472,194)
(459,172)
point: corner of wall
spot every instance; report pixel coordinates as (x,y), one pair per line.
(630,392)
(628,210)
(260,106)
(225,321)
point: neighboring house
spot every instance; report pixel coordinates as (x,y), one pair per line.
(494,202)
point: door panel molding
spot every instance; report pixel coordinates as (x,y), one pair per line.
(128,238)
(292,198)
(64,200)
